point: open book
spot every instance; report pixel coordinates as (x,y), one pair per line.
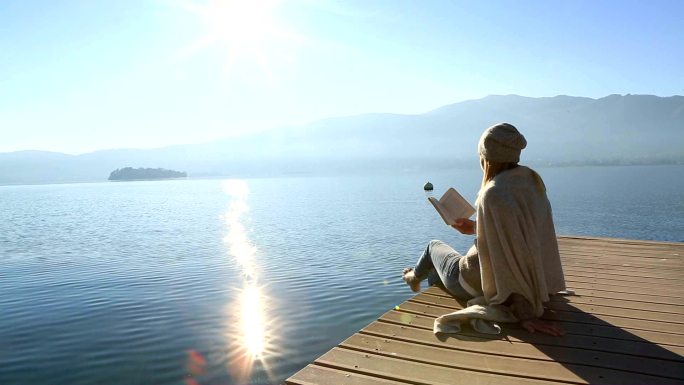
(452,206)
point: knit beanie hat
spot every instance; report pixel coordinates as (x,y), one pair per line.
(501,143)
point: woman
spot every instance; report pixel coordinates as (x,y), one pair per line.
(515,259)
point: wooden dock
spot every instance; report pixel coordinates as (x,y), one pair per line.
(624,325)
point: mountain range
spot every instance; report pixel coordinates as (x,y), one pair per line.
(560,130)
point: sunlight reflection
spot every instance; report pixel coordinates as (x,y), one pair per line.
(239,246)
(252,321)
(247,335)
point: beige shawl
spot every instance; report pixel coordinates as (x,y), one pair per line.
(518,251)
(516,240)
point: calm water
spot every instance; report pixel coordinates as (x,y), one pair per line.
(246,281)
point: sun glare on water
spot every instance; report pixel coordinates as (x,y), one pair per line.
(247,326)
(252,321)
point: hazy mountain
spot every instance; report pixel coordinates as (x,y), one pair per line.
(560,130)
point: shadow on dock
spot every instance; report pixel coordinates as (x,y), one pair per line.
(593,350)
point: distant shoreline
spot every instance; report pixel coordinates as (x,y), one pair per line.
(318,174)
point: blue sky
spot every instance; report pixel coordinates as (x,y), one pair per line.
(78,76)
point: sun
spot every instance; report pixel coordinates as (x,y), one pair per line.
(241,24)
(246,31)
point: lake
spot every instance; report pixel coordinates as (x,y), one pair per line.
(246,281)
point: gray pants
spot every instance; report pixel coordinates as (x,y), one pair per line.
(439,264)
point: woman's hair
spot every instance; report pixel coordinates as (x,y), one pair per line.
(492,169)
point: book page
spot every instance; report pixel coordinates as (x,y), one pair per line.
(455,205)
(442,211)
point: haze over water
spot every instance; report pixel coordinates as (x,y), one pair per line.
(247,281)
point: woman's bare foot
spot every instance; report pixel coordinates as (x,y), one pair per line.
(411,280)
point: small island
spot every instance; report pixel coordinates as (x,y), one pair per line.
(130,173)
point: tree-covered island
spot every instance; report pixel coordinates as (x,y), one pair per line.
(130,173)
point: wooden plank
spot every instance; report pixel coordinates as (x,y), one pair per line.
(617,262)
(496,364)
(642,251)
(664,294)
(621,260)
(645,291)
(635,346)
(413,372)
(646,288)
(624,293)
(653,315)
(653,367)
(561,313)
(588,300)
(619,304)
(659,279)
(644,254)
(316,375)
(603,330)
(643,287)
(632,247)
(655,247)
(608,277)
(584,240)
(667,274)
(616,257)
(637,250)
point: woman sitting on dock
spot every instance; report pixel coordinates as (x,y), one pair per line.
(514,260)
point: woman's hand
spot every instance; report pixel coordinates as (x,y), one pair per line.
(465,226)
(536,325)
